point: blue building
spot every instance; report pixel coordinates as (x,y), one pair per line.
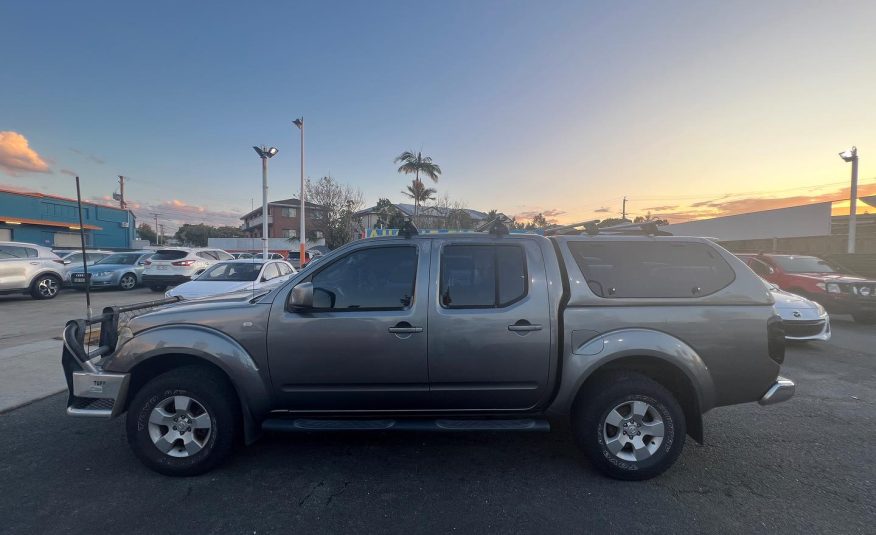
(54,221)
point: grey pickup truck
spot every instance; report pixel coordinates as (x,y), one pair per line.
(628,339)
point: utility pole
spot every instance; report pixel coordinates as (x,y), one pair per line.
(302,248)
(122,203)
(624,209)
(157,237)
(851,155)
(160,234)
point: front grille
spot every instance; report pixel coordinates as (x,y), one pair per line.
(92,404)
(803,329)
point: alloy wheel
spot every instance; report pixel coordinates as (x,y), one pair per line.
(47,287)
(633,431)
(180,426)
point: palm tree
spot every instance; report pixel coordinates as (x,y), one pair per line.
(419,193)
(415,164)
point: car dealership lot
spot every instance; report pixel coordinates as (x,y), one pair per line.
(803,465)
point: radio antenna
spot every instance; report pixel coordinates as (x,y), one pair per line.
(82,243)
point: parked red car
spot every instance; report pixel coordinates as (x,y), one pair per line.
(819,281)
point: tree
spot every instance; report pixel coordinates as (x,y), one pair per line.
(648,218)
(145,232)
(417,164)
(420,194)
(388,215)
(539,221)
(341,202)
(612,221)
(198,235)
(226,231)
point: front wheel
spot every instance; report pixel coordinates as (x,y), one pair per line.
(183,422)
(45,287)
(128,282)
(629,426)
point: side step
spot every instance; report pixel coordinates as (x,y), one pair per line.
(439,425)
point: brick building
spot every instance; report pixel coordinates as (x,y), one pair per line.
(283,221)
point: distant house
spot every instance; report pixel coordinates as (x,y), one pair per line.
(283,221)
(429,217)
(53,221)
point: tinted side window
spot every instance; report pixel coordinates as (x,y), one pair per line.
(32,253)
(760,268)
(372,278)
(482,276)
(643,269)
(223,255)
(10,251)
(208,255)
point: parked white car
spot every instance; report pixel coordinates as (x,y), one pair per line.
(73,259)
(29,268)
(235,275)
(804,319)
(172,266)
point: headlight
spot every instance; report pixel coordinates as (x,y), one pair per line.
(103,273)
(830,287)
(864,290)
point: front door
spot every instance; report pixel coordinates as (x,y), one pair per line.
(489,325)
(363,344)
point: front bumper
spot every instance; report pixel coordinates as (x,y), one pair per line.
(97,394)
(806,330)
(782,390)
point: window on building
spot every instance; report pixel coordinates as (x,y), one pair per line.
(666,269)
(290,233)
(380,278)
(482,276)
(289,212)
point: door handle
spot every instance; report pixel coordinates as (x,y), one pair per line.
(524,326)
(405,328)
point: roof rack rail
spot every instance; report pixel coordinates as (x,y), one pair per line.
(647,228)
(494,226)
(590,227)
(408,229)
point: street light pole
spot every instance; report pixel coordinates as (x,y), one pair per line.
(302,249)
(265,153)
(851,155)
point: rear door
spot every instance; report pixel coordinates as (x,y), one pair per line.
(489,328)
(363,344)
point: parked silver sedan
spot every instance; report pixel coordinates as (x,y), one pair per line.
(804,319)
(123,271)
(234,275)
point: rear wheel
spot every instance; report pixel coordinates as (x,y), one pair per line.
(630,426)
(128,281)
(183,422)
(45,287)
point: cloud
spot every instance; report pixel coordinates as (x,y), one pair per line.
(68,172)
(550,214)
(602,210)
(16,156)
(662,208)
(90,157)
(176,213)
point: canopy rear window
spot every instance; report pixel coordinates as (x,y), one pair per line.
(169,254)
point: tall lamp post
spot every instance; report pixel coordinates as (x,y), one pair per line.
(851,155)
(302,249)
(265,153)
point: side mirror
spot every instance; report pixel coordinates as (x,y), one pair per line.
(301,297)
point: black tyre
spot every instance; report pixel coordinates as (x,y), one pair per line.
(157,288)
(128,282)
(629,426)
(183,422)
(45,287)
(865,318)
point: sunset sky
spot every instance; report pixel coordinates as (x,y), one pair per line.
(690,109)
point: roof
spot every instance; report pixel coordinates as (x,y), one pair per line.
(58,197)
(289,203)
(46,223)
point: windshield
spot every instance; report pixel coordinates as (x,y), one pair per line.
(803,264)
(121,258)
(232,271)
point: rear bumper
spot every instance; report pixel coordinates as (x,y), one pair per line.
(782,390)
(164,280)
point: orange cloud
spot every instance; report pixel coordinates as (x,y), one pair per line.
(16,156)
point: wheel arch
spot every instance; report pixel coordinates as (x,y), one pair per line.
(161,349)
(656,354)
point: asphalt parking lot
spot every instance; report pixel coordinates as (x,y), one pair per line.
(800,466)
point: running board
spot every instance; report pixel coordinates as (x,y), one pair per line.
(439,425)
